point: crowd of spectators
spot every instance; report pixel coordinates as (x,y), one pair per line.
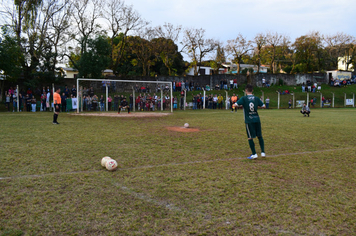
(26,100)
(342,83)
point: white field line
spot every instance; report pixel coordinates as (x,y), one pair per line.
(169,164)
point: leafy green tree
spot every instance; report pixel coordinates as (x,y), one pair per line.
(95,59)
(10,54)
(308,53)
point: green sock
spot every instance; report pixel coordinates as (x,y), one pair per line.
(262,144)
(252,146)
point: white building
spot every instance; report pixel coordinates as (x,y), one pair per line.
(68,73)
(205,70)
(340,75)
(71,73)
(342,64)
(232,68)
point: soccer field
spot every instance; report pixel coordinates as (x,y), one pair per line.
(178,183)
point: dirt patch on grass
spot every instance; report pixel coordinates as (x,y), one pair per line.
(124,114)
(182,129)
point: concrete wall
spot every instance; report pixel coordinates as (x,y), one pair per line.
(211,80)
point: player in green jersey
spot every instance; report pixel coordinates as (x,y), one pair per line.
(250,103)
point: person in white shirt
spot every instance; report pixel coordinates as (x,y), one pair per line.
(215,101)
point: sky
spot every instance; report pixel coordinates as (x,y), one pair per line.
(224,19)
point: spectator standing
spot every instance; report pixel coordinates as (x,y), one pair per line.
(225,84)
(64,102)
(95,102)
(14,102)
(267,102)
(109,103)
(85,102)
(66,91)
(131,101)
(195,101)
(290,103)
(33,103)
(48,97)
(215,101)
(102,101)
(220,101)
(90,92)
(28,102)
(7,101)
(74,91)
(85,92)
(44,101)
(20,102)
(314,101)
(235,83)
(89,102)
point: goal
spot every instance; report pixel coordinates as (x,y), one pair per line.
(106,87)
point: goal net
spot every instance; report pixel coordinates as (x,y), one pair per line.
(107,94)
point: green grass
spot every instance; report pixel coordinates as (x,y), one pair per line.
(172,183)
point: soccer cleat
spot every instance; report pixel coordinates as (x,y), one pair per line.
(55,123)
(129,113)
(118,113)
(263,154)
(252,157)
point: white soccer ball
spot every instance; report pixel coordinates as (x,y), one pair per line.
(104,160)
(111,165)
(186,125)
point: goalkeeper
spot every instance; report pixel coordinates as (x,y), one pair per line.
(124,104)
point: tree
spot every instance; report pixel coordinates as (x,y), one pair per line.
(95,59)
(86,14)
(337,47)
(351,55)
(260,42)
(10,54)
(238,48)
(273,40)
(143,51)
(122,19)
(308,53)
(196,46)
(219,58)
(165,45)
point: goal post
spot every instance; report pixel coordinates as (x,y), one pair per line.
(80,94)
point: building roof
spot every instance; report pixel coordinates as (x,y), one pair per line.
(108,71)
(68,69)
